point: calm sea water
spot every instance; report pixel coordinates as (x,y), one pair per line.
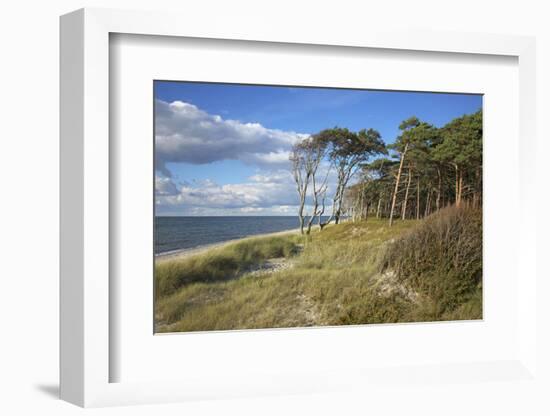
(178,233)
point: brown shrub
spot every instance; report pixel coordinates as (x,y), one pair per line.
(442,258)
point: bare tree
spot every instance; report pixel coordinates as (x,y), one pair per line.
(321,211)
(301,171)
(319,195)
(317,148)
(306,157)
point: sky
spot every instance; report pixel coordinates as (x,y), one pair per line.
(222,149)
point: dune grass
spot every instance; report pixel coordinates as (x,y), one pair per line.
(346,274)
(219,264)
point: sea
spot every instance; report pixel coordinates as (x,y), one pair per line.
(182,233)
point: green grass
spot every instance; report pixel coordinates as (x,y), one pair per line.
(342,275)
(219,264)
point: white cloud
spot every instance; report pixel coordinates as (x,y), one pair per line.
(280,176)
(164,186)
(285,209)
(184,133)
(264,193)
(252,210)
(259,193)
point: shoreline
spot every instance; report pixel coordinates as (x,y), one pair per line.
(187,252)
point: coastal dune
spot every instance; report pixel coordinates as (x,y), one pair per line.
(362,272)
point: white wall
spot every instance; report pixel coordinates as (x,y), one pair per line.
(29,208)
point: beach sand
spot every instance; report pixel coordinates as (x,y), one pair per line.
(180,254)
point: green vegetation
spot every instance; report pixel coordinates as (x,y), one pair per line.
(411,252)
(218,264)
(442,261)
(427,169)
(352,273)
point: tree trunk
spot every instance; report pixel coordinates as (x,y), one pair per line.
(478,194)
(404,211)
(310,223)
(365,207)
(301,214)
(427,210)
(394,198)
(322,210)
(362,205)
(315,204)
(438,201)
(339,201)
(418,199)
(378,208)
(312,217)
(333,213)
(456,185)
(460,186)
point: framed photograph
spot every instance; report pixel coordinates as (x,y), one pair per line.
(287,213)
(281,227)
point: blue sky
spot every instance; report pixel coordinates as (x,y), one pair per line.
(258,125)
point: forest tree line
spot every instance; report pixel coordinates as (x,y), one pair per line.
(426,168)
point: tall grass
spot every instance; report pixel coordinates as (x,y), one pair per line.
(352,273)
(219,264)
(330,278)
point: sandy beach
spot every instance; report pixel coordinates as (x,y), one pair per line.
(179,254)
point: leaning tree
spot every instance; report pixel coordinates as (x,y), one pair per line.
(306,156)
(401,147)
(347,151)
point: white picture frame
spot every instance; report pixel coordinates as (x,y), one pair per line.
(86,356)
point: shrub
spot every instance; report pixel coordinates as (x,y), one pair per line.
(441,259)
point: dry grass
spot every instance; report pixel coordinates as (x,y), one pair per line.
(343,275)
(219,264)
(442,261)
